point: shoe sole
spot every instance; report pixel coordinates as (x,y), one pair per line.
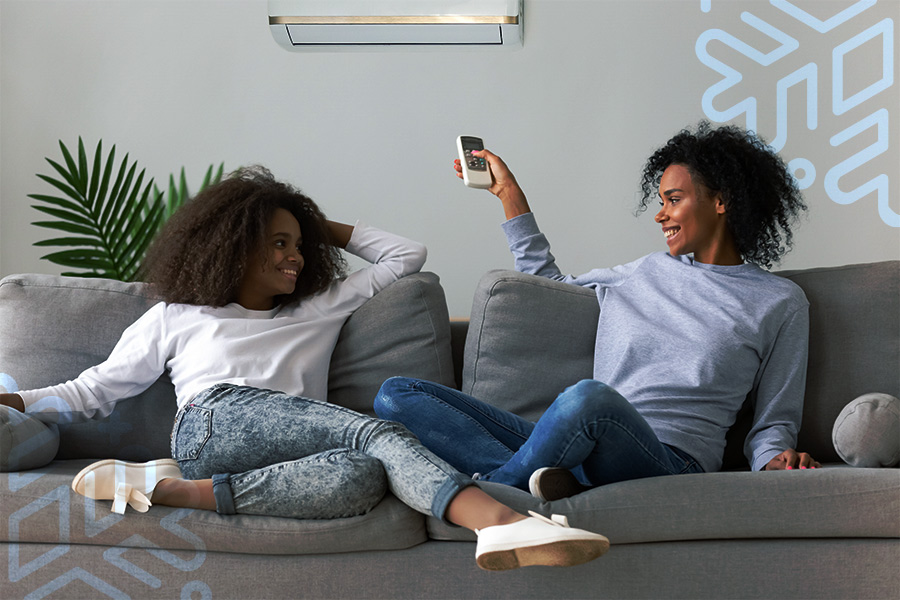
(563,553)
(534,485)
(78,481)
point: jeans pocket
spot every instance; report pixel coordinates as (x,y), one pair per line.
(690,466)
(192,431)
(688,463)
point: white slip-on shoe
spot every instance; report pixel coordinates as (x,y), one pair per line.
(554,483)
(123,482)
(537,540)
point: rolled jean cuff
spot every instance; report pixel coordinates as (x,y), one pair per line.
(454,484)
(223,495)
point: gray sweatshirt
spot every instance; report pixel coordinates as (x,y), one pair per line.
(686,342)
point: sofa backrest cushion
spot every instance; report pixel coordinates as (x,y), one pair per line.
(854,345)
(530,337)
(403,331)
(52,328)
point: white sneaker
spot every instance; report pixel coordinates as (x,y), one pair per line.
(123,482)
(537,540)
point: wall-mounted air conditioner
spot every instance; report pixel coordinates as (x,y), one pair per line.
(342,24)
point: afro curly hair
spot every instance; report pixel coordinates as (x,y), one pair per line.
(761,197)
(200,255)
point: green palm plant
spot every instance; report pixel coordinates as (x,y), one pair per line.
(109,215)
(176,196)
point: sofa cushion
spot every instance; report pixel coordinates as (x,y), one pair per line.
(531,337)
(834,501)
(40,506)
(404,330)
(854,349)
(867,431)
(52,328)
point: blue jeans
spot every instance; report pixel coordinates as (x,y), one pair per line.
(274,454)
(590,429)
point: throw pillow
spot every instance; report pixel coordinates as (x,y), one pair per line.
(867,431)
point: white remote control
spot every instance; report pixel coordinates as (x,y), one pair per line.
(476,171)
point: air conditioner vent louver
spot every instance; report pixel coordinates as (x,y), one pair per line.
(313,24)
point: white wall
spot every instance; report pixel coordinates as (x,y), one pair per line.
(597,86)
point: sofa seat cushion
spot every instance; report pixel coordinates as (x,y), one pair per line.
(39,506)
(835,501)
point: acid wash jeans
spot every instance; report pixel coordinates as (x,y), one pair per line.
(275,454)
(589,429)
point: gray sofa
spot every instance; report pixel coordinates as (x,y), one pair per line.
(825,533)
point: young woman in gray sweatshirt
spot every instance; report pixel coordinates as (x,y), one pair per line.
(684,336)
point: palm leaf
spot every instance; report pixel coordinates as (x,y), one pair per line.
(74,258)
(125,216)
(96,177)
(57,201)
(210,179)
(104,184)
(65,215)
(82,166)
(65,226)
(177,196)
(117,185)
(70,241)
(110,213)
(106,250)
(130,220)
(142,238)
(66,188)
(71,170)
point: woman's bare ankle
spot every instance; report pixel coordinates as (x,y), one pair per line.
(473,509)
(185,493)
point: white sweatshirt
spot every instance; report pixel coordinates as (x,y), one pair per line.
(286,349)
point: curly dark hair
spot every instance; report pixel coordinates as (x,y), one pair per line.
(200,255)
(761,197)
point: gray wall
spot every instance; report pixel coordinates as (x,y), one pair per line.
(597,86)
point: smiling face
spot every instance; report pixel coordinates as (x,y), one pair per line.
(273,272)
(693,220)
